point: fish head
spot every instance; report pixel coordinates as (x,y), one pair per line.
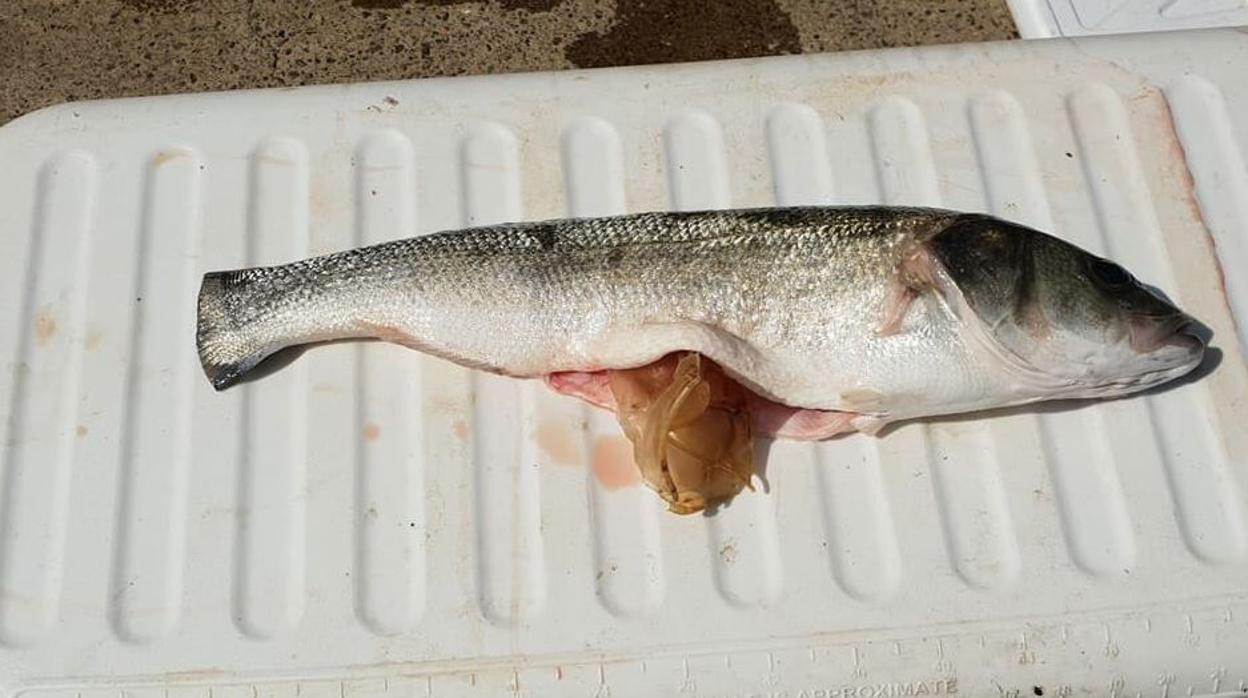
(1066,322)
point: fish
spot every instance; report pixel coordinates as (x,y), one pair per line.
(828,319)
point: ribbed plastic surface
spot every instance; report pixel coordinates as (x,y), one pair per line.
(370,521)
(1039,19)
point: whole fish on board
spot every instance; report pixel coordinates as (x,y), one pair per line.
(821,320)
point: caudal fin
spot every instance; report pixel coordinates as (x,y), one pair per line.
(226,350)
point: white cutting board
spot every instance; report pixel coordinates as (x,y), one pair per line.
(369,521)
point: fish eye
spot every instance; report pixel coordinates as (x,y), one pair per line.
(1107,274)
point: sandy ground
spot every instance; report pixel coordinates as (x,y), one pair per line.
(59,50)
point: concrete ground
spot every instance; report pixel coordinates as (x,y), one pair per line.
(58,50)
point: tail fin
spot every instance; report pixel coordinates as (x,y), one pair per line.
(226,351)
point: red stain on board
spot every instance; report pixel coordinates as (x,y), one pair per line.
(558,442)
(613,464)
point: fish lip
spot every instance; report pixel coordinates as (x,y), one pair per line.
(1186,336)
(1172,366)
(1151,334)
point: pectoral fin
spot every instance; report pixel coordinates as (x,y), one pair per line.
(896,305)
(915,275)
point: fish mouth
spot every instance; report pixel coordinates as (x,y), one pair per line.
(1172,348)
(1149,334)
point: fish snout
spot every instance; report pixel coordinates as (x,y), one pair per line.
(1149,334)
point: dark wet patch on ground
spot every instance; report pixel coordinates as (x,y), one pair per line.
(160,5)
(670,31)
(530,5)
(378,4)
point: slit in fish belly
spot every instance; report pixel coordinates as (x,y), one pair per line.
(692,426)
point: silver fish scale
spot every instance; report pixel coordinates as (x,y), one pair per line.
(773,294)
